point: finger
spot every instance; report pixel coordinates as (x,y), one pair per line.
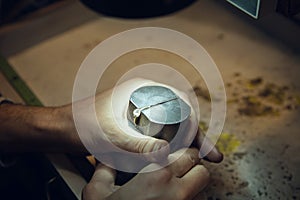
(104,174)
(183,160)
(192,127)
(194,181)
(101,184)
(206,145)
(154,150)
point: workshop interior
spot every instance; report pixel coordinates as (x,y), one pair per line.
(254,43)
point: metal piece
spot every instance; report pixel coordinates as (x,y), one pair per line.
(137,111)
(157,111)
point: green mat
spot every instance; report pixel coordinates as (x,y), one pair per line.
(18,84)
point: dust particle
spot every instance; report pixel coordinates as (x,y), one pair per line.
(236,74)
(256,81)
(252,106)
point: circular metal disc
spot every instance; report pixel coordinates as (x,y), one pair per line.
(166,106)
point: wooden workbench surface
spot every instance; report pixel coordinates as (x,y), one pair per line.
(263,162)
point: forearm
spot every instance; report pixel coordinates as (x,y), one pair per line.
(38,129)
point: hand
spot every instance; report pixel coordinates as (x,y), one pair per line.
(111,107)
(52,129)
(183,179)
(110,114)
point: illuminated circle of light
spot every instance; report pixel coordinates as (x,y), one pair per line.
(100,58)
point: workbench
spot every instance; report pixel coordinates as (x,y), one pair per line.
(261,149)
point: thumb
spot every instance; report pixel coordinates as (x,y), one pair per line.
(101,185)
(104,174)
(153,149)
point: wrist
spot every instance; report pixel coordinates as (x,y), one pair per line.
(66,126)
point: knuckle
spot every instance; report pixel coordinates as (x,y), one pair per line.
(144,146)
(166,173)
(192,153)
(86,188)
(180,170)
(141,146)
(86,191)
(163,175)
(205,171)
(181,195)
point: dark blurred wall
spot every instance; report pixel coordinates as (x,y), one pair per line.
(11,10)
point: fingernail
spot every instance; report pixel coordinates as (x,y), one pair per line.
(194,160)
(213,156)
